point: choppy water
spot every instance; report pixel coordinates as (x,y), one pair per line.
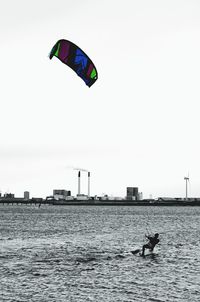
(83,254)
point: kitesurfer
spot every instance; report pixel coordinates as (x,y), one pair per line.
(151,244)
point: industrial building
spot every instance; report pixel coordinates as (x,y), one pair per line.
(132,193)
(26,195)
(61,194)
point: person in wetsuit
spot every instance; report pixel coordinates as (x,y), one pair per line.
(151,244)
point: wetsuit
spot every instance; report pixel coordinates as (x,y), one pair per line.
(151,244)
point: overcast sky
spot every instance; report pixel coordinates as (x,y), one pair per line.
(138,125)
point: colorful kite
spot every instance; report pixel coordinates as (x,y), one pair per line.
(71,55)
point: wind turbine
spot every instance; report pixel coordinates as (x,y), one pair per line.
(186,178)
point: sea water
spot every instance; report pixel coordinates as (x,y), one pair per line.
(83,253)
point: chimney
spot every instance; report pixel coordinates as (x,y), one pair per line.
(79,182)
(88,184)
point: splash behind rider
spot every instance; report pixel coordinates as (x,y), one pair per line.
(153,240)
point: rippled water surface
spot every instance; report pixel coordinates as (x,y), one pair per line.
(55,253)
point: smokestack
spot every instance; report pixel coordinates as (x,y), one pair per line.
(79,182)
(88,184)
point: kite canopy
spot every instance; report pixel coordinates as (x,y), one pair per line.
(71,55)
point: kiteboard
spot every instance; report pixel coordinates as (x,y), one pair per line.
(138,252)
(135,252)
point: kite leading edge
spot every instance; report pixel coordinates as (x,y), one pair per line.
(71,55)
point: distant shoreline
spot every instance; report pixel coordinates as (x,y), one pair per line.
(146,202)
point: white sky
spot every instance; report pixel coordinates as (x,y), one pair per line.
(138,125)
